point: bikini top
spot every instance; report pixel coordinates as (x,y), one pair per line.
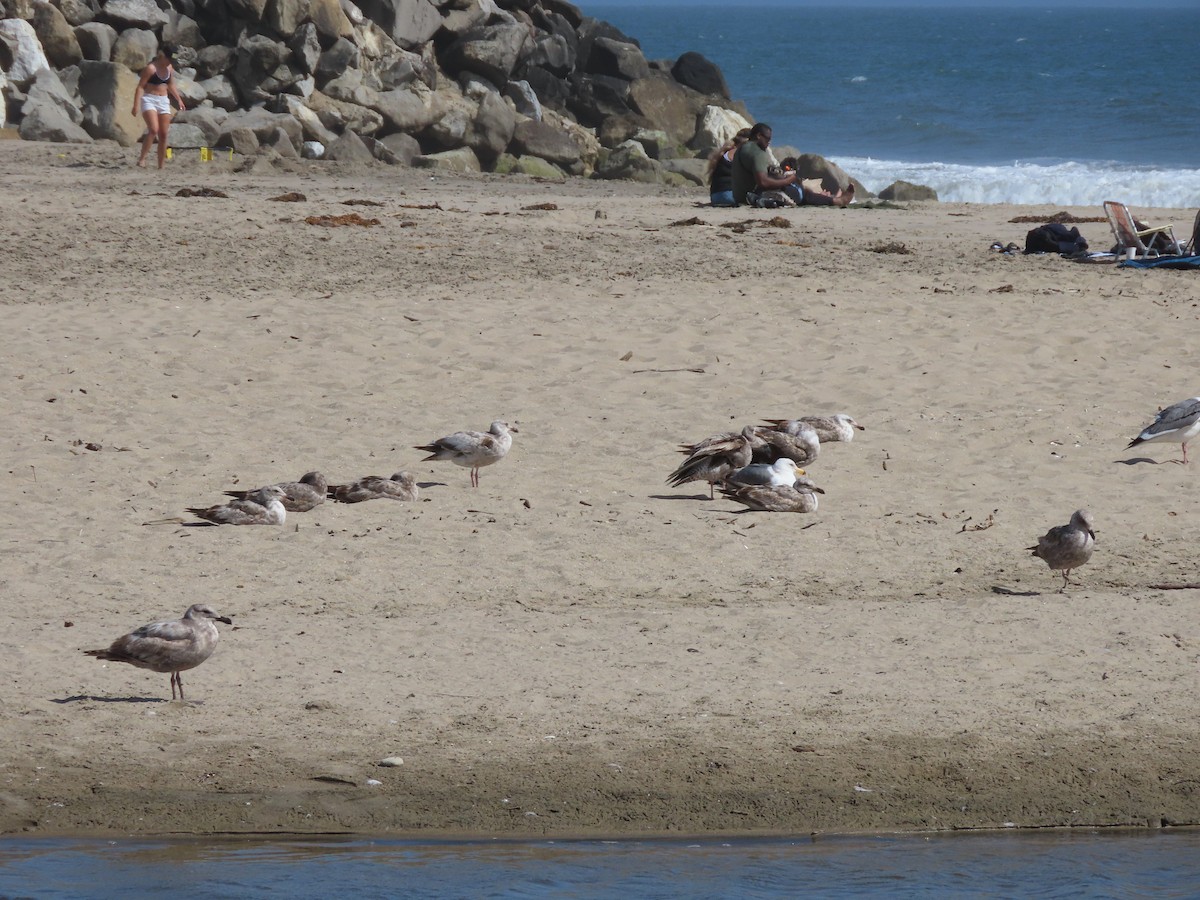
(155,78)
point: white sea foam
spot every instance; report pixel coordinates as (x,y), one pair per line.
(1064,184)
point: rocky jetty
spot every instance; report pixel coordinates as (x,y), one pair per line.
(533,86)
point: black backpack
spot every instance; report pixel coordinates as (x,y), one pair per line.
(1054,237)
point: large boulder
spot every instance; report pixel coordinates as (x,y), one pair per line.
(186,136)
(286,16)
(810,166)
(305,45)
(249,10)
(507,164)
(492,51)
(906,191)
(468,14)
(551,90)
(493,127)
(338,115)
(629,162)
(715,128)
(135,48)
(106,89)
(256,60)
(329,20)
(262,123)
(77,12)
(350,148)
(48,90)
(404,148)
(207,119)
(462,160)
(96,40)
(410,23)
(668,104)
(544,141)
(55,33)
(411,108)
(24,49)
(220,92)
(524,98)
(133,14)
(46,121)
(617,59)
(310,123)
(215,59)
(701,75)
(183,32)
(596,97)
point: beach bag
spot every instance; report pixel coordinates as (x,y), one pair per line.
(773,199)
(1054,237)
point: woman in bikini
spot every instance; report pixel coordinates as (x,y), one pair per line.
(153,100)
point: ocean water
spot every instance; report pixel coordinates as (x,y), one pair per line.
(1086,864)
(998,105)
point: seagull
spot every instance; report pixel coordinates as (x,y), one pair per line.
(401,486)
(1067,547)
(800,497)
(266,510)
(473,449)
(781,473)
(169,646)
(793,438)
(1178,423)
(838,427)
(298,496)
(716,458)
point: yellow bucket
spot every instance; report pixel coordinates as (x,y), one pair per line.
(206,154)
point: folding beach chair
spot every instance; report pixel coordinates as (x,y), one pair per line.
(1142,240)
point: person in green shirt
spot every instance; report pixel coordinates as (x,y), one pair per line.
(751,163)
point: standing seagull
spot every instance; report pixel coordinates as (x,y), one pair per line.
(298,496)
(473,449)
(716,458)
(1178,423)
(169,646)
(1067,547)
(265,508)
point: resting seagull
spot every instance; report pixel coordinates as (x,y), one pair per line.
(265,508)
(781,473)
(401,486)
(840,427)
(1067,547)
(473,449)
(800,497)
(298,496)
(169,646)
(1178,423)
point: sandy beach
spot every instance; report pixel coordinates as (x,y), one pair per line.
(575,648)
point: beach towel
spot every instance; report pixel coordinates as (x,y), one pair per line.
(1162,262)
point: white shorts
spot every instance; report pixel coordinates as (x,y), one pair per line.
(160,103)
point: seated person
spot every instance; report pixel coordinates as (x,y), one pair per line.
(720,170)
(752,175)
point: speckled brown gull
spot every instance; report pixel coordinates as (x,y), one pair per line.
(401,486)
(1178,423)
(269,511)
(169,646)
(298,496)
(800,497)
(1067,547)
(473,449)
(839,427)
(715,458)
(791,438)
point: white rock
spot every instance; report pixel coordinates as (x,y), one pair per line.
(28,57)
(391,762)
(312,150)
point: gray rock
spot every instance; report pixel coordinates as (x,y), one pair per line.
(106,89)
(48,89)
(134,49)
(331,23)
(311,126)
(452,128)
(617,59)
(656,143)
(186,136)
(492,51)
(96,40)
(262,122)
(255,60)
(553,92)
(596,97)
(671,107)
(554,53)
(182,31)
(242,140)
(334,62)
(462,160)
(3,100)
(282,144)
(524,98)
(409,23)
(206,118)
(215,59)
(403,147)
(616,130)
(24,49)
(906,191)
(833,177)
(349,148)
(493,128)
(251,10)
(542,140)
(411,108)
(306,47)
(56,34)
(77,12)
(694,170)
(45,121)
(312,150)
(133,13)
(697,72)
(220,92)
(287,16)
(338,115)
(507,164)
(629,162)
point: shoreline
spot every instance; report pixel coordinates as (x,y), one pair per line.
(614,655)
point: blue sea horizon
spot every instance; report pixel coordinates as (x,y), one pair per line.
(994,105)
